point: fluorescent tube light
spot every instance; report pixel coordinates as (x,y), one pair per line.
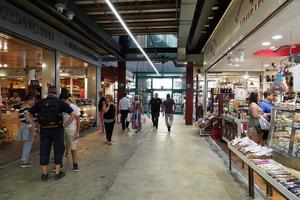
(130,34)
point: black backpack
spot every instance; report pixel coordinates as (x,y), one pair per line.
(50,115)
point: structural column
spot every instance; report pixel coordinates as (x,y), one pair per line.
(123,41)
(205,90)
(121,78)
(98,90)
(50,70)
(189,94)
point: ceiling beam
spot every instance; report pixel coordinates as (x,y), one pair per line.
(152,50)
(84,2)
(141,24)
(131,7)
(138,16)
(144,31)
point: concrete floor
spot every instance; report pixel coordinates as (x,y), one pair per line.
(151,165)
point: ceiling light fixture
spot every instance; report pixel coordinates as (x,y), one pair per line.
(266,43)
(272,47)
(5,65)
(206,25)
(130,34)
(0,65)
(277,37)
(236,65)
(215,8)
(211,17)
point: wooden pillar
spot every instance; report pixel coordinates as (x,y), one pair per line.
(189,94)
(121,79)
(124,42)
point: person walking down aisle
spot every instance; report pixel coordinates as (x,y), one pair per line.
(110,113)
(101,105)
(155,104)
(169,108)
(124,107)
(49,111)
(26,132)
(136,117)
(72,131)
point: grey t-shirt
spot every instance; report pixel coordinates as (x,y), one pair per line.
(168,104)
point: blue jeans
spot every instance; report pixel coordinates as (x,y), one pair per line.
(27,147)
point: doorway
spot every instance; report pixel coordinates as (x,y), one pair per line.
(162,94)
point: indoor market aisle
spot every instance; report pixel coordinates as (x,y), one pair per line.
(151,165)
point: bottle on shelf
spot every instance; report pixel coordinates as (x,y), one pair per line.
(297,103)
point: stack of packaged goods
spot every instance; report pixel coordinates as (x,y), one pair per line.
(262,157)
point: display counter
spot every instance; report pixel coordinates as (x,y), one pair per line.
(10,122)
(233,127)
(259,160)
(284,136)
(9,126)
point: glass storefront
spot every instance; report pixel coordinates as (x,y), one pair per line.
(148,86)
(74,76)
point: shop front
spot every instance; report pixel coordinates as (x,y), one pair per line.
(147,85)
(259,54)
(34,55)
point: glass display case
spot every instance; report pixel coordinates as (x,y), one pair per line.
(284,134)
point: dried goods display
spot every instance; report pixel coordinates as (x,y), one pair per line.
(261,156)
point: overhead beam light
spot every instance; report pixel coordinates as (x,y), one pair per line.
(130,34)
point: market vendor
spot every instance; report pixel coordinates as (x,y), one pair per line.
(15,99)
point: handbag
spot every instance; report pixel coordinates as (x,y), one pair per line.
(264,123)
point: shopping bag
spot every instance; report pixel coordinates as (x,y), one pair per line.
(264,123)
(128,117)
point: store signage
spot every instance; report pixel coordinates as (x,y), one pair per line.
(14,17)
(242,17)
(80,50)
(15,20)
(255,5)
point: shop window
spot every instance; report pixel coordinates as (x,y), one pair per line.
(179,83)
(144,83)
(162,83)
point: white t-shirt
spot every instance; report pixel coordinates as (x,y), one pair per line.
(66,116)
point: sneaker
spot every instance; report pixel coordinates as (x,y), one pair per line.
(169,128)
(44,177)
(26,164)
(59,176)
(54,168)
(75,167)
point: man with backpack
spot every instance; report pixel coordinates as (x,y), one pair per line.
(49,111)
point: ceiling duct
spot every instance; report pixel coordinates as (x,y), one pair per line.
(204,13)
(187,9)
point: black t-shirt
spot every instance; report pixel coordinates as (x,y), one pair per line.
(155,104)
(168,104)
(63,107)
(111,113)
(100,104)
